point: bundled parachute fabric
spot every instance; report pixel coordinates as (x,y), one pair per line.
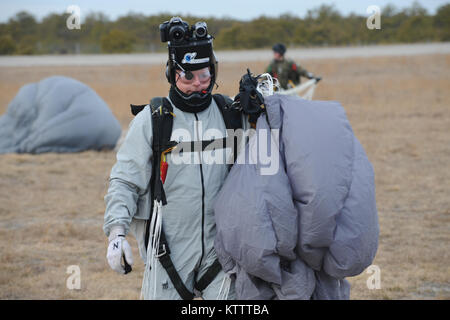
(297,232)
(57,114)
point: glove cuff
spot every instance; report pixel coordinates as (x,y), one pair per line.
(116,231)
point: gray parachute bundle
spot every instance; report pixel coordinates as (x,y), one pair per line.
(57,114)
(299,231)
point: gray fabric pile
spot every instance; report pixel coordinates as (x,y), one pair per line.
(299,232)
(57,114)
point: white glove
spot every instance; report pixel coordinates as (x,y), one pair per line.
(118,248)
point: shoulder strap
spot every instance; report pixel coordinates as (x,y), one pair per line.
(162,122)
(157,102)
(231,117)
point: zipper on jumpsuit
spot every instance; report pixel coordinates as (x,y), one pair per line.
(203,195)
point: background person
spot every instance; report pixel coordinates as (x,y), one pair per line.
(285,70)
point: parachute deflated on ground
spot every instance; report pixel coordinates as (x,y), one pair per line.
(57,114)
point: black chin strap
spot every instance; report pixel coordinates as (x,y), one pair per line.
(193,106)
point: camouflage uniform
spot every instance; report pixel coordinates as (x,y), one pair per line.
(286,70)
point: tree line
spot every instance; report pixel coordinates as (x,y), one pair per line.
(322,26)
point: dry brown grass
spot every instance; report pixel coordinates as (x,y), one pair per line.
(51,205)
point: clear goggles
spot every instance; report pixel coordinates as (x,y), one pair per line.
(189,76)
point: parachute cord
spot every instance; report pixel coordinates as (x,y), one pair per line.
(224,288)
(155,245)
(152,252)
(267,84)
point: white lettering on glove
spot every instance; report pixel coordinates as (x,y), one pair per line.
(118,247)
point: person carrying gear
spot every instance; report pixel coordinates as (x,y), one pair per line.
(285,70)
(160,190)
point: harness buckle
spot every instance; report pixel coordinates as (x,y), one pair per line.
(159,255)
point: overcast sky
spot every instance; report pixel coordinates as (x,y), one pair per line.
(238,9)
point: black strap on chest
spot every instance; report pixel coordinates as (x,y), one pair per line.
(162,123)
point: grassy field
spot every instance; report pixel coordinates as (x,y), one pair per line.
(51,205)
